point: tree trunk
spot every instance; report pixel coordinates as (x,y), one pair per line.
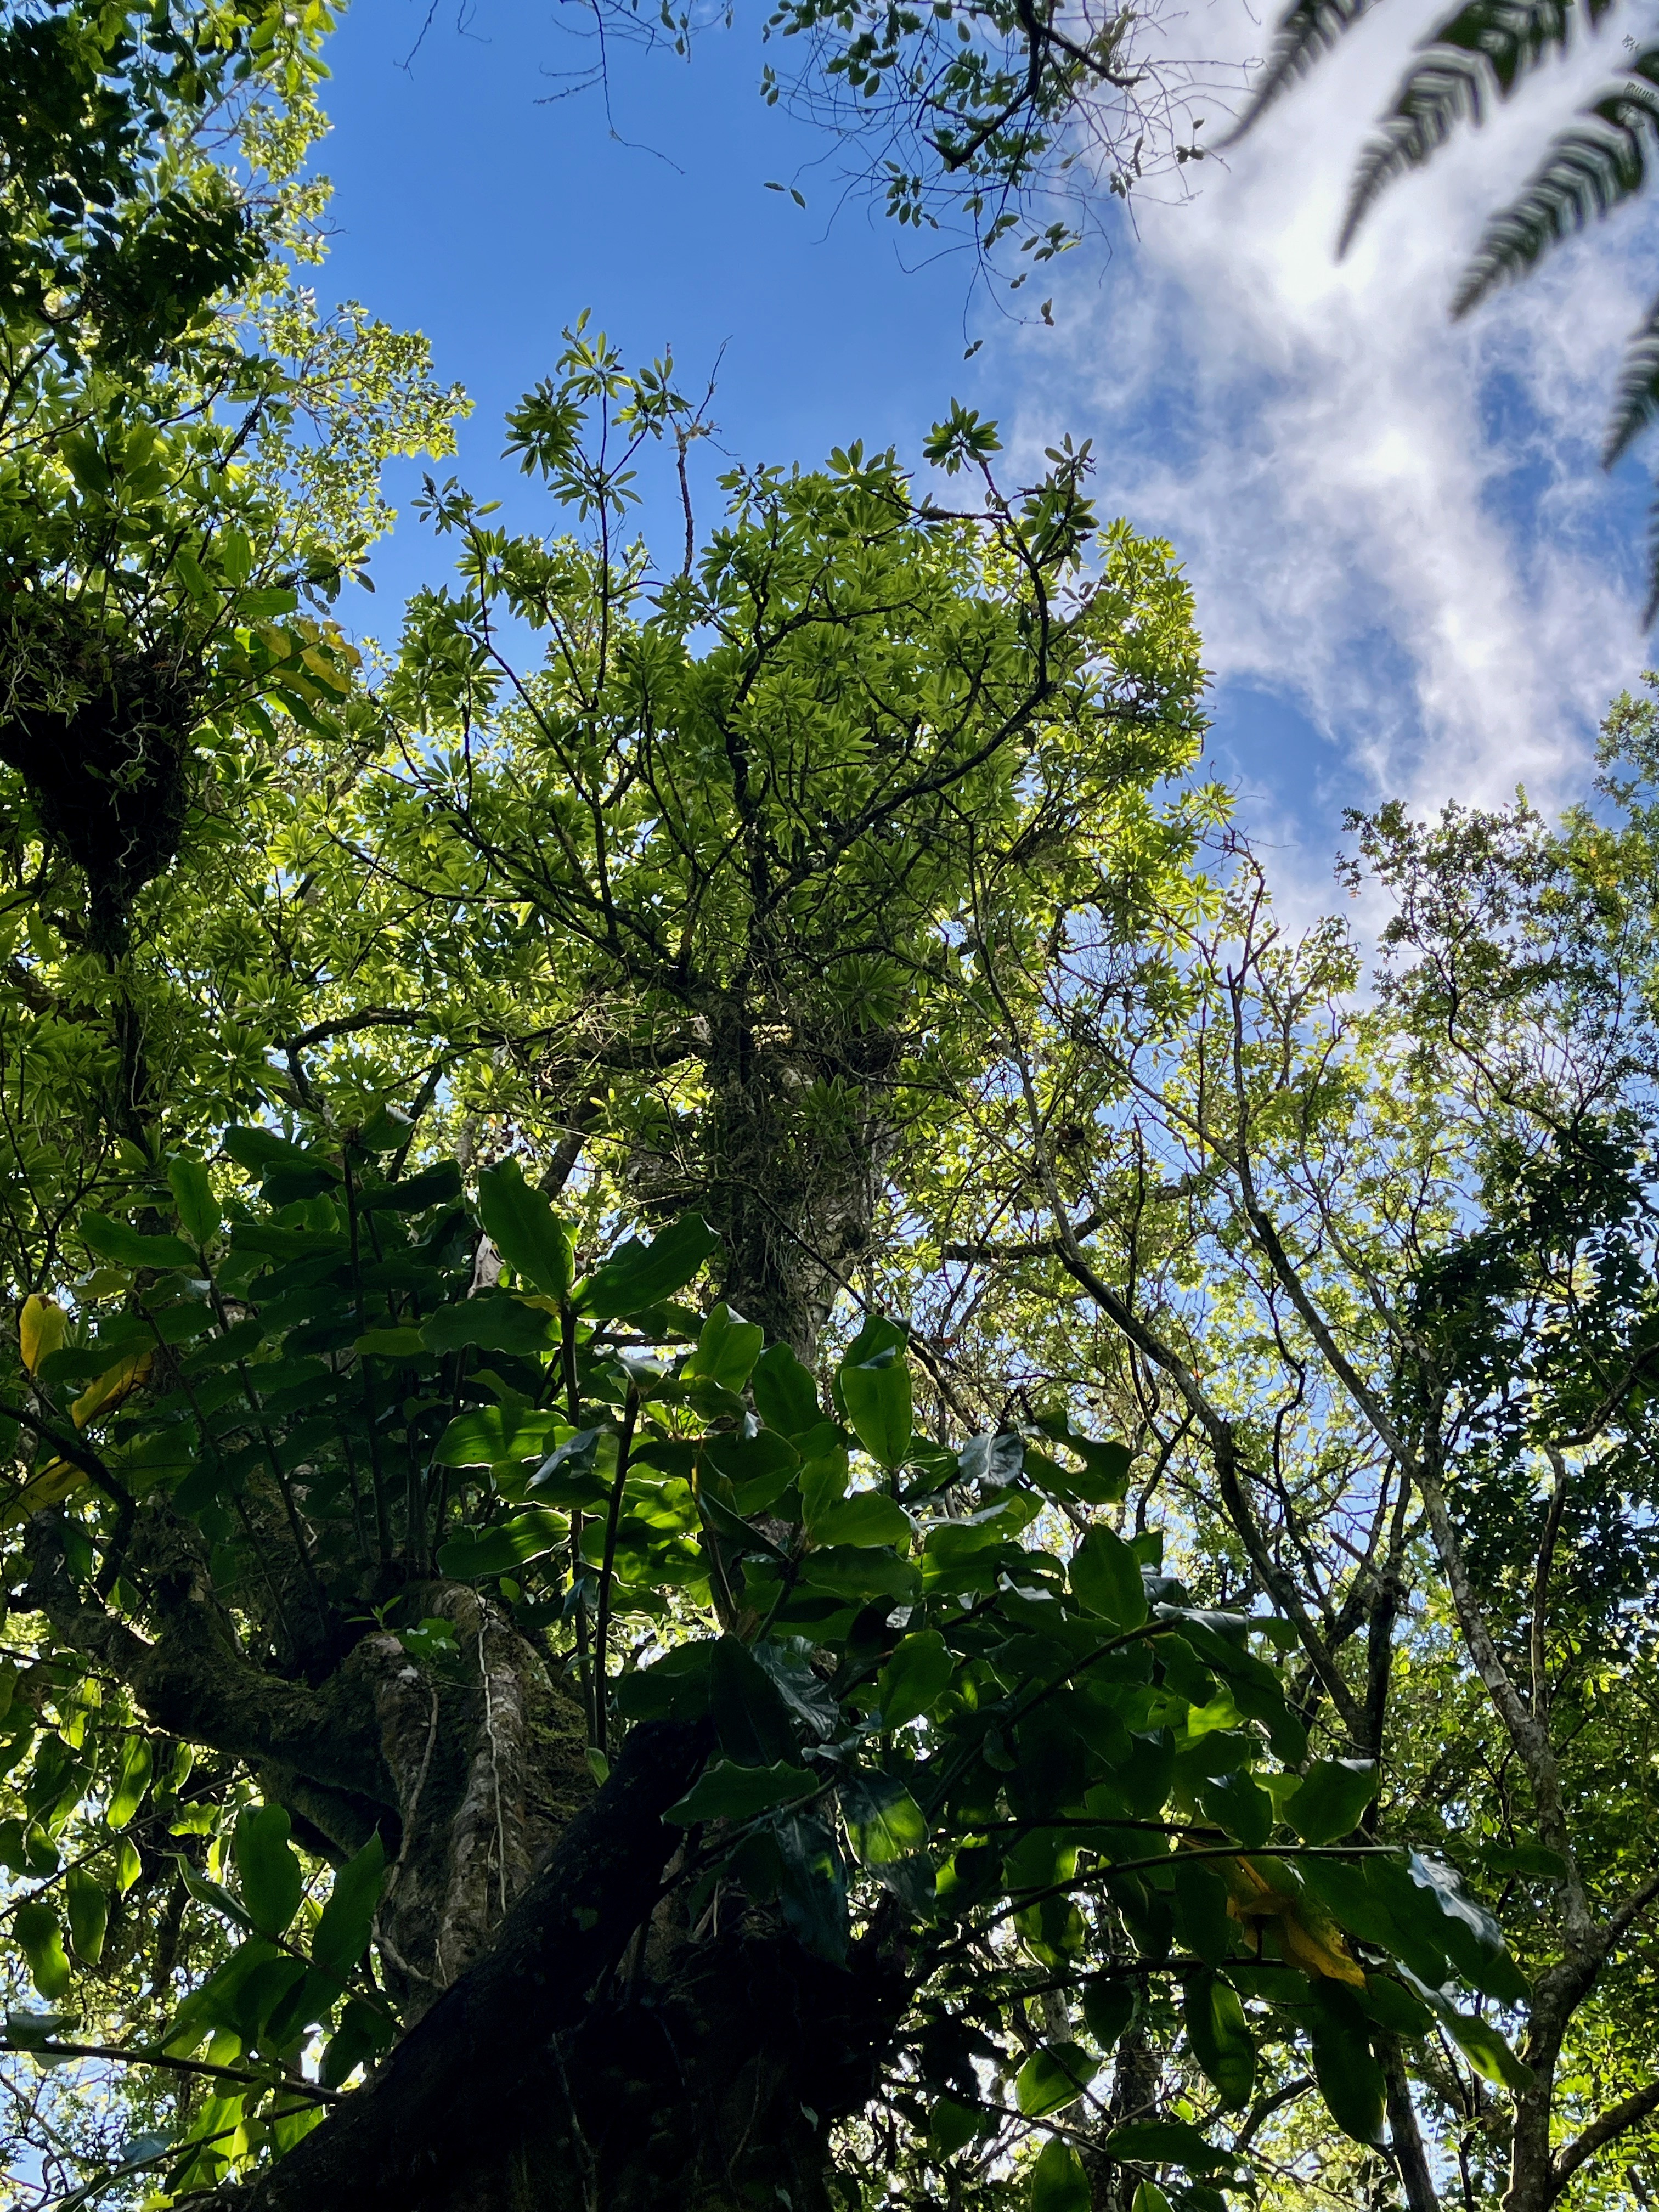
(592,2056)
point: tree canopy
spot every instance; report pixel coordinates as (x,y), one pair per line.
(749,1454)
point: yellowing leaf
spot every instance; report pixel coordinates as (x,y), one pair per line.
(1308,1937)
(325,671)
(114,1385)
(47,1485)
(40,1328)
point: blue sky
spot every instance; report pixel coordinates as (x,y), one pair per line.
(1412,576)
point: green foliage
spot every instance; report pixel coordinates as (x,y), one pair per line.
(800,1805)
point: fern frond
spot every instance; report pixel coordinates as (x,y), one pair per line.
(1594,167)
(1306,29)
(1484,50)
(1636,404)
(1651,610)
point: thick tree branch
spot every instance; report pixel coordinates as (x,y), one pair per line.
(1616,2121)
(403,2143)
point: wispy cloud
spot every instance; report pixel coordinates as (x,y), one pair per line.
(1397,529)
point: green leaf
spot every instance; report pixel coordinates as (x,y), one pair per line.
(1393,2007)
(786,1396)
(865,1520)
(951,2125)
(915,1678)
(760,1469)
(849,1571)
(730,1792)
(34,1926)
(1220,2039)
(1201,1910)
(813,1892)
(494,1321)
(262,1152)
(751,1718)
(361,2033)
(887,1832)
(1052,2077)
(1333,1794)
(1345,2066)
(637,1275)
(1525,1858)
(271,1877)
(1427,1897)
(673,1688)
(114,1241)
(439,1185)
(875,1388)
(1164,2143)
(1105,1576)
(403,1344)
(726,1350)
(522,1225)
(1109,2007)
(1105,1477)
(484,1436)
(348,1919)
(474,1555)
(193,1194)
(1149,2198)
(132,1782)
(1057,2181)
(1241,1806)
(87,1904)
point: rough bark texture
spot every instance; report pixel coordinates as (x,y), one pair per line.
(565,2070)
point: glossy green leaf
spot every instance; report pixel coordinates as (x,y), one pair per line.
(886,1828)
(951,2125)
(866,1519)
(915,1678)
(1220,2038)
(193,1194)
(485,1436)
(1345,2066)
(348,1919)
(786,1397)
(1333,1794)
(1105,1477)
(726,1350)
(1057,2181)
(114,1241)
(1164,2143)
(521,1223)
(875,1387)
(269,1872)
(494,1321)
(730,1792)
(35,1925)
(1052,2077)
(132,1781)
(1109,2007)
(751,1718)
(1105,1575)
(479,1554)
(86,1902)
(1239,1805)
(362,2033)
(1201,1910)
(852,1572)
(262,1151)
(637,1275)
(1148,2197)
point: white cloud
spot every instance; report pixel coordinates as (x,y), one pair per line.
(1395,526)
